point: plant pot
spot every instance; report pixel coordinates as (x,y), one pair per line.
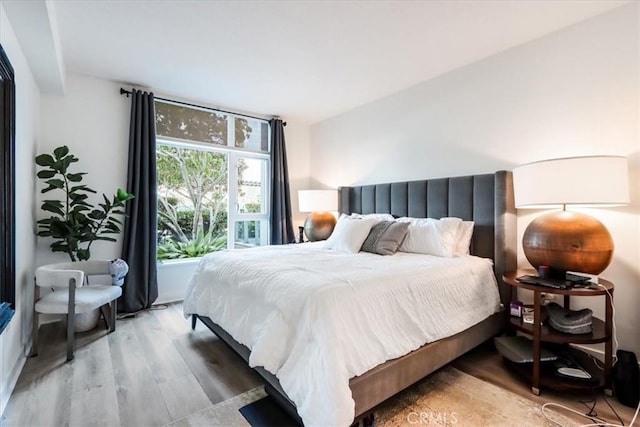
(86,321)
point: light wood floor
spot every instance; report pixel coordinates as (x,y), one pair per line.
(151,371)
(154,370)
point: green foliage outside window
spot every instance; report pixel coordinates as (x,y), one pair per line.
(192,189)
(201,245)
(185,222)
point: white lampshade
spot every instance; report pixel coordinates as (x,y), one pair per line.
(584,181)
(317,200)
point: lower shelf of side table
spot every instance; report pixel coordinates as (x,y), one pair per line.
(552,381)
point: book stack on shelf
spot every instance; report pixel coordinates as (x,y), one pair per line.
(6,313)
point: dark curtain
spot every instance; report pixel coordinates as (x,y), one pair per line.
(140,287)
(281,222)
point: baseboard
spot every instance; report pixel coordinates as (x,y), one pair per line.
(597,353)
(168,299)
(8,387)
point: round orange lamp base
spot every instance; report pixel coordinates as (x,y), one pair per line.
(568,241)
(319,226)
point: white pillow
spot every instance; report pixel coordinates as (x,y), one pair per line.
(349,234)
(463,237)
(378,216)
(431,236)
(413,220)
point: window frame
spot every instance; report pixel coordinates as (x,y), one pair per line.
(237,216)
(233,153)
(7,181)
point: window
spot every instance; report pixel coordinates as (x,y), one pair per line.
(212,181)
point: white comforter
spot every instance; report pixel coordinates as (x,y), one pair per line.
(315,318)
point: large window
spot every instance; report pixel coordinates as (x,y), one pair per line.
(212,181)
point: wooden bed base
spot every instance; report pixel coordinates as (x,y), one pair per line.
(485,199)
(385,380)
(271,385)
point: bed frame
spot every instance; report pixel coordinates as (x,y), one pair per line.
(485,199)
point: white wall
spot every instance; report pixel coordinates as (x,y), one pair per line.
(571,93)
(298,140)
(16,339)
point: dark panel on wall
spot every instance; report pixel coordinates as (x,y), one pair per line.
(461,197)
(383,198)
(438,198)
(344,199)
(483,215)
(368,199)
(399,200)
(417,192)
(355,204)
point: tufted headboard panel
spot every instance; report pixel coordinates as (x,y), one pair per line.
(485,199)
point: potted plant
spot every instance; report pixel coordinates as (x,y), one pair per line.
(74,223)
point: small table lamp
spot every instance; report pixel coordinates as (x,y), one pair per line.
(320,222)
(567,240)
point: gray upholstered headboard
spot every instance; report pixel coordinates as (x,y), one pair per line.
(485,199)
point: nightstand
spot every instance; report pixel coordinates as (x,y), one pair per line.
(602,333)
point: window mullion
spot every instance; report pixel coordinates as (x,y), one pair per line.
(231,132)
(232,200)
(265,191)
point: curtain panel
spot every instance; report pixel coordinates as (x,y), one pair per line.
(281,221)
(140,288)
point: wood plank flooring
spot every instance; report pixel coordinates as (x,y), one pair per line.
(154,370)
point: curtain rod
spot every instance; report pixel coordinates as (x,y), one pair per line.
(128,92)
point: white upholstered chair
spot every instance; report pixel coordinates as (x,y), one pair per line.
(71,292)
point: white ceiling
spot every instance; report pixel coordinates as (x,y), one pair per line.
(306,60)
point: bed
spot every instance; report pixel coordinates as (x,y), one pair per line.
(485,199)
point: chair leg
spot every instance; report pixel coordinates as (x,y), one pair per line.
(34,334)
(114,314)
(36,323)
(106,315)
(71,310)
(193,322)
(70,335)
(109,312)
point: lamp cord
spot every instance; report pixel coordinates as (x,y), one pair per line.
(613,323)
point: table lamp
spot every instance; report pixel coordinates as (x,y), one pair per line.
(566,240)
(320,222)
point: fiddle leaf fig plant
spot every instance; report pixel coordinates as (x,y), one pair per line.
(74,223)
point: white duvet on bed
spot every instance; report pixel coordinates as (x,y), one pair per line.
(315,318)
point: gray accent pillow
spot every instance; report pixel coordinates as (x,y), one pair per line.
(385,237)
